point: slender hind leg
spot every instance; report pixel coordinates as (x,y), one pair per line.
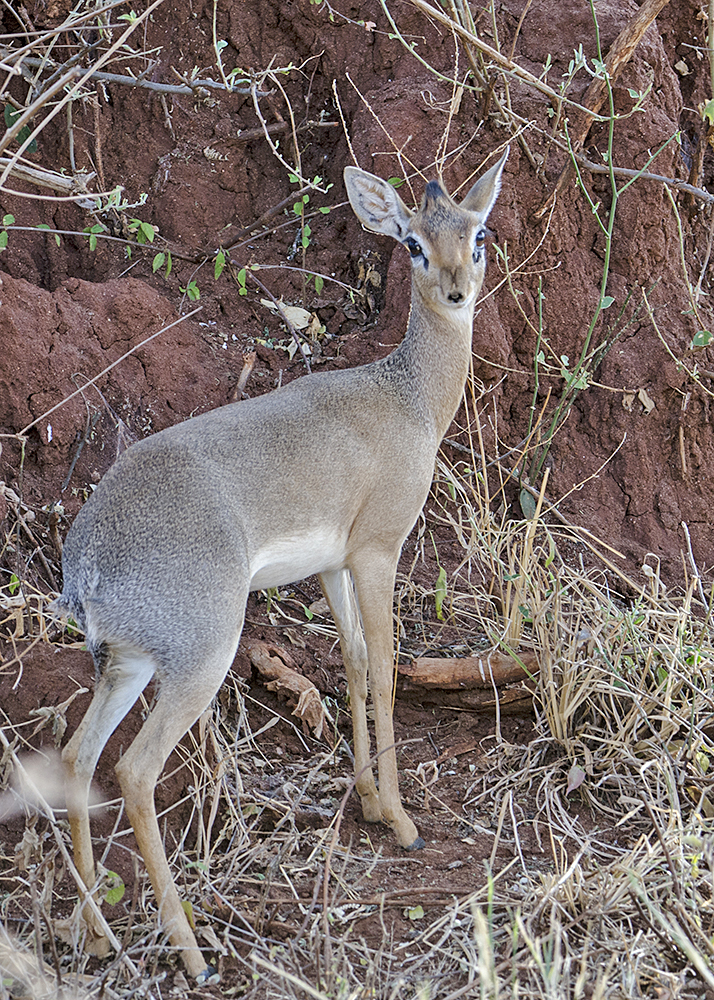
(123,679)
(183,697)
(337,588)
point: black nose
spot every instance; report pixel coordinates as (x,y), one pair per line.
(455,297)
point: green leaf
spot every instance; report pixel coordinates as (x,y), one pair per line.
(13,585)
(168,265)
(115,889)
(92,234)
(319,283)
(219,264)
(708,112)
(48,229)
(607,301)
(188,910)
(325,209)
(9,220)
(440,593)
(293,178)
(11,116)
(158,261)
(528,504)
(396,181)
(702,338)
(415,912)
(3,240)
(145,232)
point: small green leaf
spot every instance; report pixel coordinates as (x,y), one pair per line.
(8,220)
(219,264)
(319,283)
(168,265)
(415,912)
(607,301)
(702,338)
(115,889)
(13,585)
(528,504)
(145,232)
(708,112)
(3,240)
(48,229)
(158,261)
(440,593)
(325,209)
(188,910)
(396,181)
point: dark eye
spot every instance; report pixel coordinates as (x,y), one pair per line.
(480,239)
(413,246)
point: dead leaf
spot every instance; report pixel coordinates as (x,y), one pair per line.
(646,400)
(628,400)
(576,776)
(299,317)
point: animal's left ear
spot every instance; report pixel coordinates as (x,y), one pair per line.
(482,196)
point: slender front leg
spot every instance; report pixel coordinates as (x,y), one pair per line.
(337,588)
(373,575)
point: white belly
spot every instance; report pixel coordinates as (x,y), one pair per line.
(291,558)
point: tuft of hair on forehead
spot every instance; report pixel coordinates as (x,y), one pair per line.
(435,192)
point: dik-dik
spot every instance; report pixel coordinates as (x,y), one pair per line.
(326,475)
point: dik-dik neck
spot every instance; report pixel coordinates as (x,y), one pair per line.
(434,360)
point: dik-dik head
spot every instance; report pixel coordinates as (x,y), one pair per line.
(446,241)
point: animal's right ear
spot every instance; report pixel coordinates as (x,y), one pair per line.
(376,204)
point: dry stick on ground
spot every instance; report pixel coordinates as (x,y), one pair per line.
(619,55)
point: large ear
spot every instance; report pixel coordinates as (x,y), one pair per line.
(376,204)
(482,196)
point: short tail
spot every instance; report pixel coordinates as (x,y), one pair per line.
(68,606)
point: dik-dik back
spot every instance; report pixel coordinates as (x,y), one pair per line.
(328,476)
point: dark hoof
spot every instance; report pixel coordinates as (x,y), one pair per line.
(209,976)
(417,845)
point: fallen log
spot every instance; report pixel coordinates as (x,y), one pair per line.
(479,683)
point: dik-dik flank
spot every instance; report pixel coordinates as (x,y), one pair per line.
(326,475)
